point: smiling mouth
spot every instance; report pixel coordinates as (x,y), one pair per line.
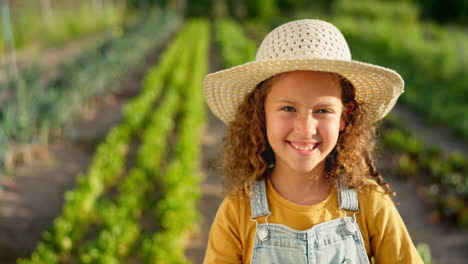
(304,148)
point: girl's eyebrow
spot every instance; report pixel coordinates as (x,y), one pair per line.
(324,104)
(285,101)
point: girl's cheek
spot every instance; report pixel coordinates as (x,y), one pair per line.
(284,120)
(336,126)
(278,123)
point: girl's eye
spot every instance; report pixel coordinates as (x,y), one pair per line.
(323,111)
(288,108)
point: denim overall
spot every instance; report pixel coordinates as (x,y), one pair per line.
(336,241)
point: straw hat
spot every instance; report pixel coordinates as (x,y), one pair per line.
(307,44)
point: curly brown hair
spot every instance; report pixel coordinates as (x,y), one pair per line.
(249,157)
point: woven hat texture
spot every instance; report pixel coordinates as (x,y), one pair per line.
(308,44)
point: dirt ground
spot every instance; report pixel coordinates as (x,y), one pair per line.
(35,194)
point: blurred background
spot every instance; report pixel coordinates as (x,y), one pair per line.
(108,153)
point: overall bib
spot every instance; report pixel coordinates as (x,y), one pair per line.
(336,241)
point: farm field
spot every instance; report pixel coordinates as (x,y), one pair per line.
(118,144)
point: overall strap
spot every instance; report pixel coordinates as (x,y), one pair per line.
(347,197)
(258,201)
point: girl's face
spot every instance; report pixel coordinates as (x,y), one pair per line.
(303,112)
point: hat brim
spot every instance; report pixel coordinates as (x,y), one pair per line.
(377,88)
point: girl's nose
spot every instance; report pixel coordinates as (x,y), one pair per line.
(305,125)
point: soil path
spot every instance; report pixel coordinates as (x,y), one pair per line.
(448,245)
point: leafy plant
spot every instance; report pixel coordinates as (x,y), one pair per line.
(234,45)
(176,211)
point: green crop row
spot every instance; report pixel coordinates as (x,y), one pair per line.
(36,108)
(431,58)
(445,177)
(234,45)
(108,164)
(120,230)
(176,212)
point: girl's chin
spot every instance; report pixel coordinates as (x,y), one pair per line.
(303,168)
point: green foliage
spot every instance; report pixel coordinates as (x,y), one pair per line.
(234,45)
(131,199)
(176,211)
(455,11)
(120,229)
(425,253)
(397,140)
(169,249)
(403,12)
(293,4)
(462,219)
(262,10)
(197,8)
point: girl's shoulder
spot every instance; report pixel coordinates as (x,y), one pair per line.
(372,193)
(234,207)
(237,196)
(236,200)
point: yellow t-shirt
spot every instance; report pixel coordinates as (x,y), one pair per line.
(385,236)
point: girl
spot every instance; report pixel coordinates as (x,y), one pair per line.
(298,155)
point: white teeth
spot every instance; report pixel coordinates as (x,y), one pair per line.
(304,148)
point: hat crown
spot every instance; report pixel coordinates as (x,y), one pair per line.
(304,39)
